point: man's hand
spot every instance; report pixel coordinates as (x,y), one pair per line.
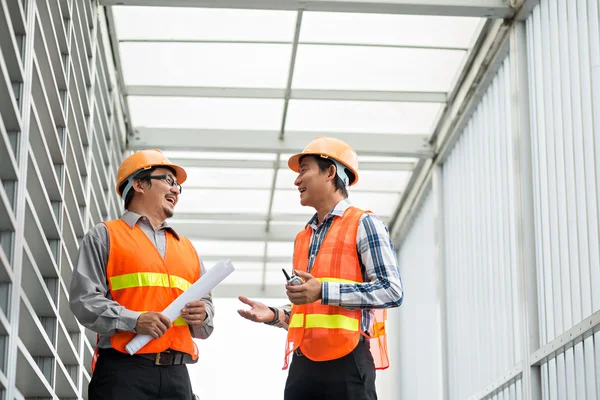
(194,313)
(258,311)
(308,292)
(152,323)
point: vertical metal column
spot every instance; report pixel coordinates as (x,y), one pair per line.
(524,210)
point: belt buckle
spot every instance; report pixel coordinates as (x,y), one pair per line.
(298,352)
(157,359)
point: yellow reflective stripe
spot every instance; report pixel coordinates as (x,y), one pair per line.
(324,321)
(336,280)
(179,283)
(179,322)
(297,321)
(138,279)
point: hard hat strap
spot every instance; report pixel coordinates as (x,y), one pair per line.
(129,180)
(341,172)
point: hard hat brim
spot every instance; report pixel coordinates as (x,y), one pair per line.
(294,163)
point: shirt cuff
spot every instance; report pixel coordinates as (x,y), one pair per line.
(330,293)
(127,320)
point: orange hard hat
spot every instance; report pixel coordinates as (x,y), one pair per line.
(327,147)
(143,160)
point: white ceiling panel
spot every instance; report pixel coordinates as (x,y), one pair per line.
(228,177)
(215,248)
(399,30)
(199,155)
(280,249)
(189,23)
(206,64)
(177,112)
(224,201)
(361,117)
(373,68)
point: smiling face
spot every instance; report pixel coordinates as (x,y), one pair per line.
(314,186)
(157,194)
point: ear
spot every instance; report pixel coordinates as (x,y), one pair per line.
(331,172)
(138,185)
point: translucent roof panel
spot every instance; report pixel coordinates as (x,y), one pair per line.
(361,116)
(206,64)
(288,202)
(224,201)
(368,180)
(207,113)
(382,204)
(200,155)
(214,248)
(399,30)
(181,23)
(229,177)
(280,249)
(376,68)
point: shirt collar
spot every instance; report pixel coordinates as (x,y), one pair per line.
(131,218)
(339,210)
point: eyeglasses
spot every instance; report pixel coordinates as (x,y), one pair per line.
(167,178)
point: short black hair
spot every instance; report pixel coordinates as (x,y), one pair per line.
(142,176)
(324,164)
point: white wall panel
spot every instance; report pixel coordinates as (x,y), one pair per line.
(480,248)
(418,353)
(61,139)
(564,61)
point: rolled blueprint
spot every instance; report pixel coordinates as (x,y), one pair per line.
(199,289)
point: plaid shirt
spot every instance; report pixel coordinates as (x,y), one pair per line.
(382,286)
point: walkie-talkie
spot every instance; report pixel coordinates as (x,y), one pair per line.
(293,280)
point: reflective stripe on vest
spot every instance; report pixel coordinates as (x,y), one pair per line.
(139,279)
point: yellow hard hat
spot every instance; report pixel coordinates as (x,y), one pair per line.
(143,160)
(327,147)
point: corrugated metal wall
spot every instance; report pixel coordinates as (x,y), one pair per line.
(61,140)
(564,62)
(480,248)
(417,323)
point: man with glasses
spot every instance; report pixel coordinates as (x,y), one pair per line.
(127,271)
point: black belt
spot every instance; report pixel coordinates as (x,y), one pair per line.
(299,353)
(164,358)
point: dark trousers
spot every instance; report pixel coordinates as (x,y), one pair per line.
(351,377)
(121,376)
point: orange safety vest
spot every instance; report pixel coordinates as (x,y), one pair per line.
(141,280)
(326,332)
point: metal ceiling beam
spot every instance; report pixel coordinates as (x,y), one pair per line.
(284,42)
(365,144)
(467,8)
(266,164)
(295,94)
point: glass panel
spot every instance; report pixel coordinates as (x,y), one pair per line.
(224,177)
(381,204)
(180,23)
(280,249)
(206,64)
(371,68)
(382,180)
(177,112)
(224,200)
(408,30)
(213,248)
(360,116)
(198,155)
(288,202)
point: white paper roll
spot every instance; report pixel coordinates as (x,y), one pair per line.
(200,288)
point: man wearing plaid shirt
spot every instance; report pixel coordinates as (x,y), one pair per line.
(332,357)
